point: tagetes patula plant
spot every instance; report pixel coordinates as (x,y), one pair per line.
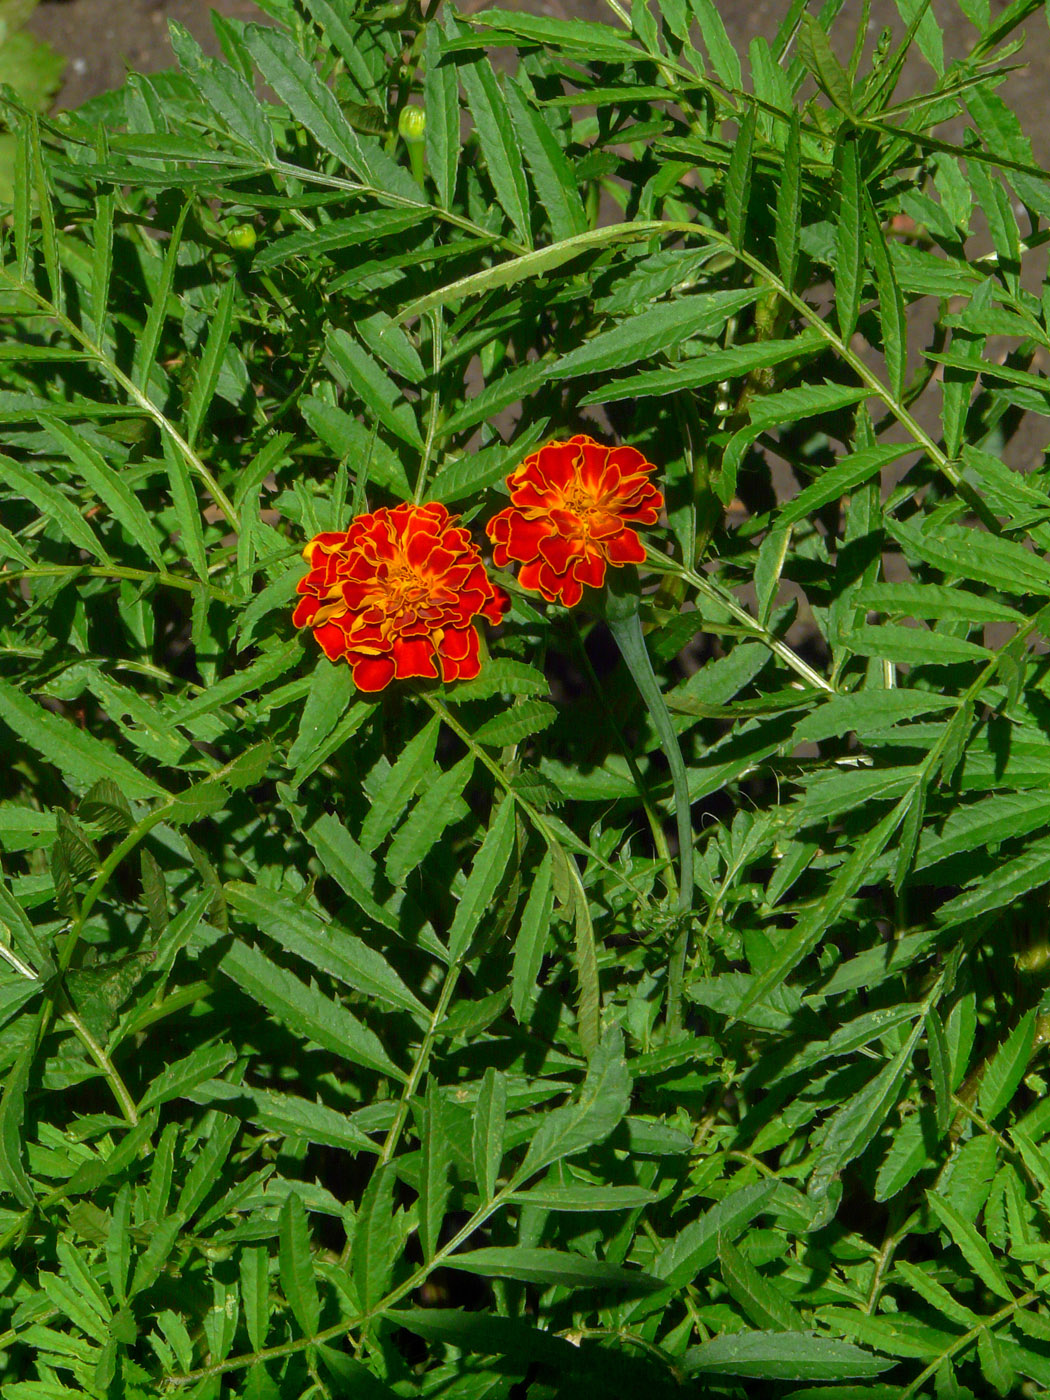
(396,594)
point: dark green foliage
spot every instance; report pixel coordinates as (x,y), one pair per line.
(356,1044)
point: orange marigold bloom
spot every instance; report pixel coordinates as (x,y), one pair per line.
(572,507)
(395,595)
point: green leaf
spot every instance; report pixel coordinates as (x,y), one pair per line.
(937,1050)
(438,807)
(789,206)
(738,179)
(602,1103)
(533,264)
(296,1265)
(311,103)
(499,145)
(489,869)
(974,554)
(187,509)
(72,750)
(255,1293)
(306,1009)
(712,367)
(853,1126)
(324,946)
(551,173)
(695,1247)
(845,476)
(849,236)
(373,386)
(531,942)
(53,506)
(441,104)
(1013,879)
(331,692)
(973,1248)
(304,1121)
(12,1112)
(434,1182)
(597,41)
(518,723)
(549,1266)
(720,48)
(490,1116)
(1007,1068)
(109,487)
(662,327)
(210,367)
(414,763)
(376,1245)
(225,92)
(759,1299)
(350,866)
(816,53)
(781,1356)
(177,1079)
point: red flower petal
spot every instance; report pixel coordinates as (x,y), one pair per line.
(414,658)
(373,672)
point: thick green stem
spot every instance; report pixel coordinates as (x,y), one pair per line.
(621,606)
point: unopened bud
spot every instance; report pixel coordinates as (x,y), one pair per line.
(241,238)
(412,123)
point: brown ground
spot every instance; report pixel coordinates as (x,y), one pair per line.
(104,38)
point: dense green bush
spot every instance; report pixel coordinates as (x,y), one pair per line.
(354,1044)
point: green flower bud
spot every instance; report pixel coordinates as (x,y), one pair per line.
(241,238)
(412,123)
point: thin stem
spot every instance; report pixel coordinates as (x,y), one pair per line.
(724,600)
(646,797)
(188,585)
(132,390)
(105,1064)
(434,407)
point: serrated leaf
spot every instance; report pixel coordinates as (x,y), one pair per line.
(255,1293)
(375,1246)
(434,1181)
(695,1247)
(549,1266)
(306,1009)
(974,1249)
(551,173)
(488,870)
(179,1078)
(296,1265)
(311,103)
(438,807)
(373,386)
(781,1356)
(661,327)
(849,236)
(326,947)
(759,1298)
(401,784)
(516,724)
(789,206)
(602,1102)
(499,147)
(1007,1068)
(490,1116)
(531,941)
(738,178)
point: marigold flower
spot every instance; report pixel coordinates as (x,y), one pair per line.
(395,596)
(572,507)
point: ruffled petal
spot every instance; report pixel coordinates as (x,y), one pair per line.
(373,673)
(414,658)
